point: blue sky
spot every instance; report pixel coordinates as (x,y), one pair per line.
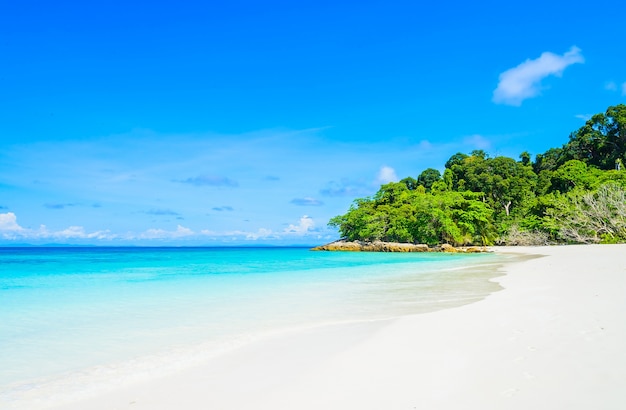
(251,123)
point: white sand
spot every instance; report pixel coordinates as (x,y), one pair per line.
(554,338)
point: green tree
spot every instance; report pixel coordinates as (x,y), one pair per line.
(568,194)
(505,183)
(353,225)
(456,159)
(574,174)
(549,161)
(525,158)
(601,142)
(411,183)
(428,178)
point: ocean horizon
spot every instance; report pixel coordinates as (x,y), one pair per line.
(70,316)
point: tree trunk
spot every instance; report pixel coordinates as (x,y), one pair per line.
(507,208)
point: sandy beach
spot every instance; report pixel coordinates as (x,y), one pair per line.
(553,338)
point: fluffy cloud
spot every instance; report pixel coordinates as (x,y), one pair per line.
(262,233)
(524,81)
(305,225)
(77,232)
(11,230)
(209,180)
(385,175)
(8,224)
(307,201)
(180,232)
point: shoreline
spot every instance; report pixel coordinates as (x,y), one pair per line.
(408,287)
(552,338)
(343,245)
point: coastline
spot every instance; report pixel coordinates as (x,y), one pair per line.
(551,339)
(343,245)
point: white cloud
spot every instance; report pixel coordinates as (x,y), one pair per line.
(385,175)
(180,232)
(524,81)
(305,224)
(262,233)
(8,222)
(584,117)
(74,232)
(304,227)
(624,88)
(10,229)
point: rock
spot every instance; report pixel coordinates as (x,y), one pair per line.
(448,248)
(475,249)
(379,246)
(340,246)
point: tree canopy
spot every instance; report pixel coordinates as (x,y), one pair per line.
(574,193)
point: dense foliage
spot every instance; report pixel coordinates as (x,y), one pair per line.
(572,194)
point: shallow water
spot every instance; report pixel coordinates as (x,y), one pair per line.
(68,311)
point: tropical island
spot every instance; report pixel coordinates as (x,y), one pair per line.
(572,194)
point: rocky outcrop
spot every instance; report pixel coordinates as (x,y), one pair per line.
(379,246)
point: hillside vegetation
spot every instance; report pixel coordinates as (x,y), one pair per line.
(572,194)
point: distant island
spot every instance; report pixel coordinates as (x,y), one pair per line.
(572,194)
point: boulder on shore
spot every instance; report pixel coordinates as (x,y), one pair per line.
(379,246)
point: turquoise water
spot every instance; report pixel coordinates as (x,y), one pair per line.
(64,311)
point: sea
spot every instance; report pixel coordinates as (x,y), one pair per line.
(77,319)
